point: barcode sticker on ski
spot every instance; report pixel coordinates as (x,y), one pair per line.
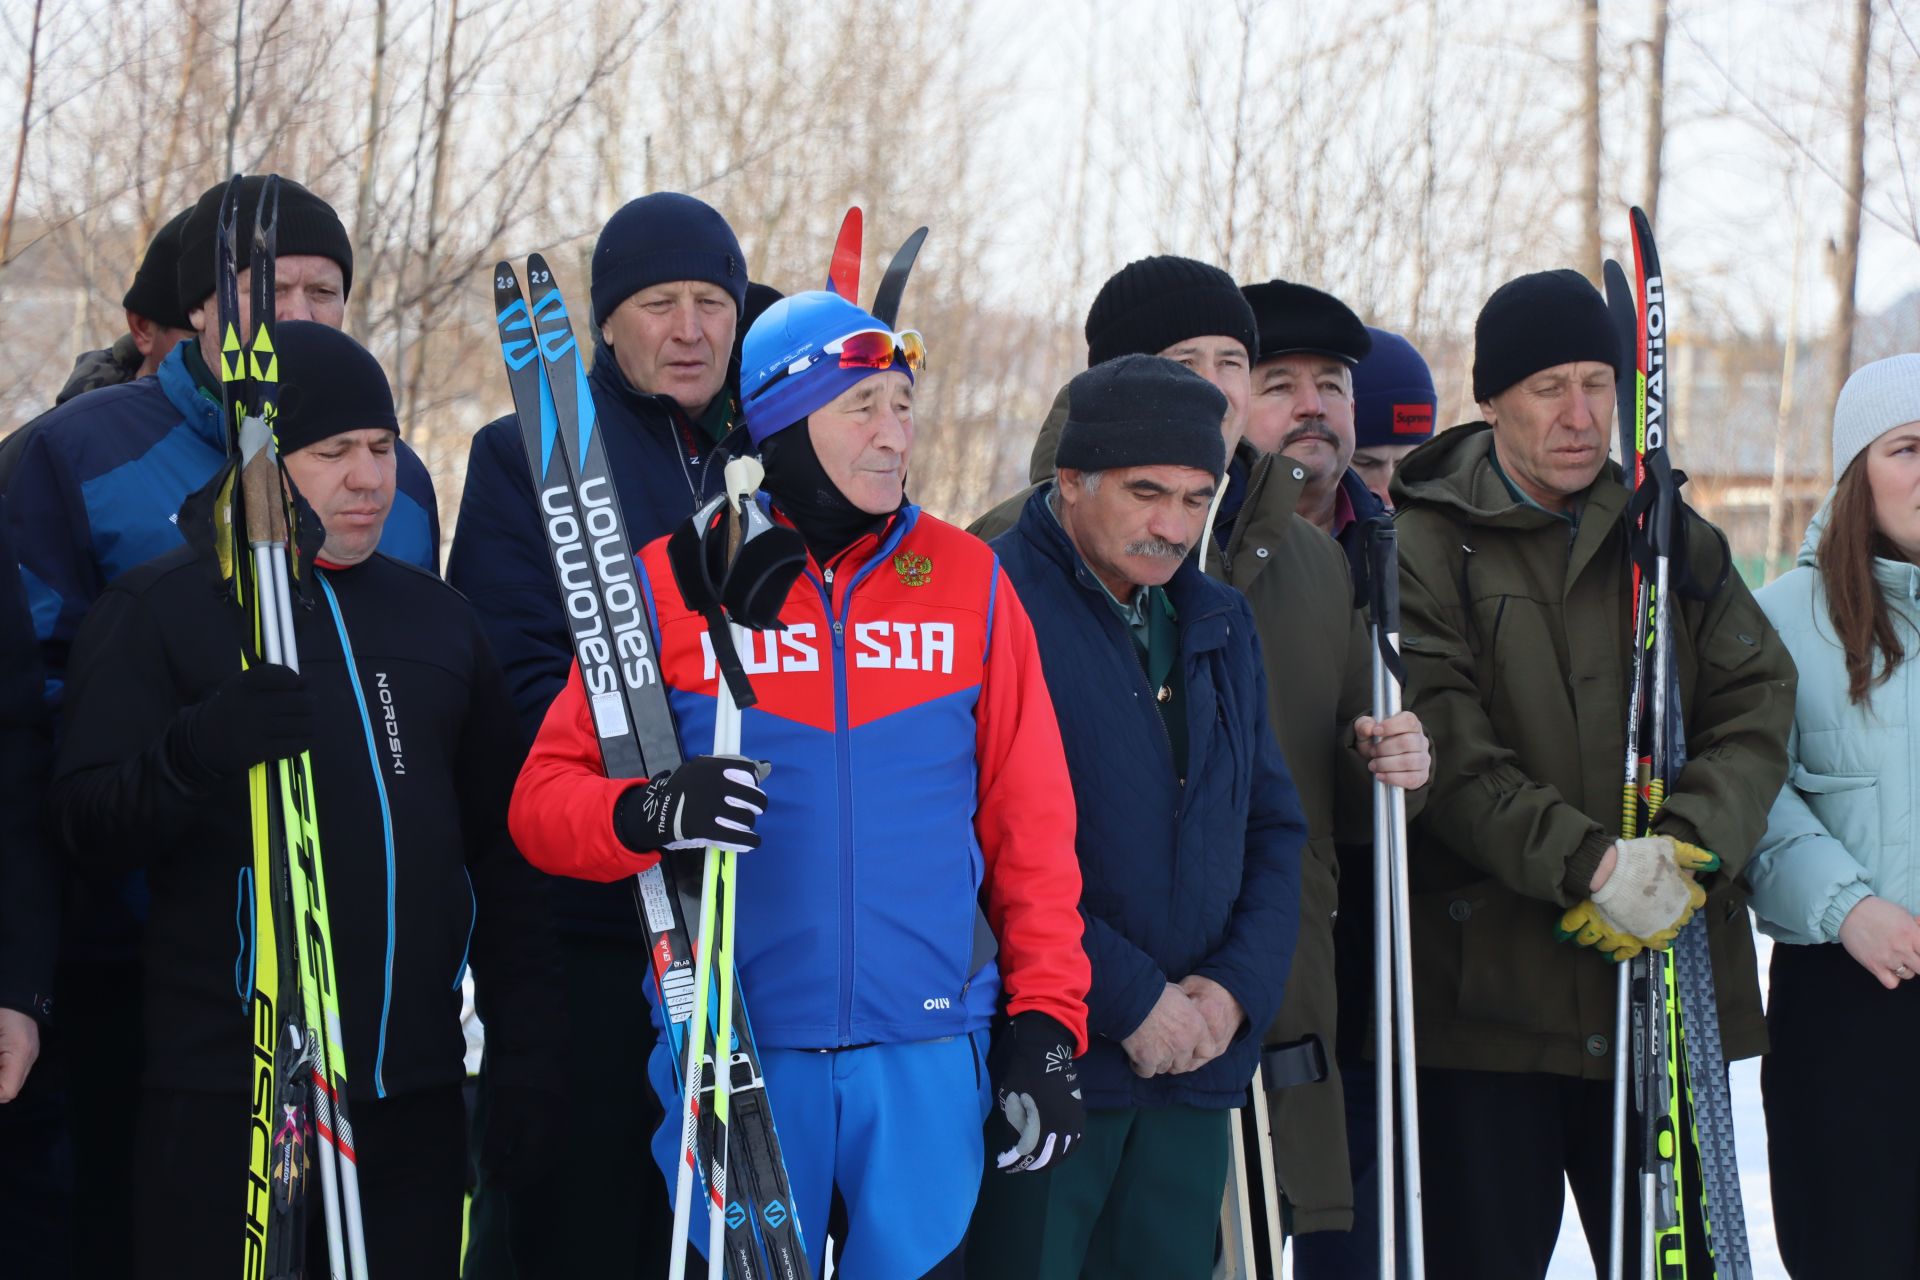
(653,899)
(610,714)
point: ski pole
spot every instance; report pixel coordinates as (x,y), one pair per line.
(742,478)
(696,1055)
(1393,933)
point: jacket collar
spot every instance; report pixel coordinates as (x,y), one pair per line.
(1273,484)
(198,407)
(658,413)
(1199,604)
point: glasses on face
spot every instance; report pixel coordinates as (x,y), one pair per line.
(865,349)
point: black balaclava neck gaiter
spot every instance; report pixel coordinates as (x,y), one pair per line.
(803,491)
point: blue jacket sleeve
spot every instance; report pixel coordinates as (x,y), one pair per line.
(499,562)
(52,538)
(413,526)
(1252,962)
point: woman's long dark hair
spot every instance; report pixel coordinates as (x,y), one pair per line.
(1861,618)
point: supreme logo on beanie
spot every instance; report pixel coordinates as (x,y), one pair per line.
(1393,396)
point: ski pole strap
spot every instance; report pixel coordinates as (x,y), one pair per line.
(1665,528)
(728,658)
(1383,590)
(1297,1062)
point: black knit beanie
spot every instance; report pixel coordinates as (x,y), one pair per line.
(1142,411)
(1536,322)
(155,291)
(1149,305)
(661,237)
(330,384)
(307,225)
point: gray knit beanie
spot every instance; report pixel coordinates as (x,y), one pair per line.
(1877,398)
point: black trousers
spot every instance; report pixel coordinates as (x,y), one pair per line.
(66,1190)
(1496,1151)
(607,1213)
(1843,1124)
(189,1164)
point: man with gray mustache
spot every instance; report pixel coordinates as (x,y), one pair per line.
(1189,831)
(1319,679)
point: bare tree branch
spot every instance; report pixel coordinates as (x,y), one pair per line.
(26,124)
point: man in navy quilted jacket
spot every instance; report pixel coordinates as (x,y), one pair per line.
(1190,831)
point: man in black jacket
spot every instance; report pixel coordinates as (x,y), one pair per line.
(669,297)
(414,747)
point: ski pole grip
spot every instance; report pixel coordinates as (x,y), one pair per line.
(1383,575)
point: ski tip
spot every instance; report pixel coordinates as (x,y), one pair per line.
(843,271)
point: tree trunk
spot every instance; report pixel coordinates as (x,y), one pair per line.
(1656,113)
(430,259)
(26,127)
(1846,252)
(369,166)
(1590,247)
(239,86)
(1777,497)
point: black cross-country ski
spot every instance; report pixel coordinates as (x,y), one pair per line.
(298,1101)
(1691,979)
(613,642)
(1677,1065)
(893,282)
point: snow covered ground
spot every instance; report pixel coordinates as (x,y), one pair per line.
(1570,1258)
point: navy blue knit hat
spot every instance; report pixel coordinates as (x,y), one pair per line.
(1393,396)
(661,237)
(1142,411)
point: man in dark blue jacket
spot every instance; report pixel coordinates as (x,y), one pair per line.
(1190,832)
(669,288)
(101,479)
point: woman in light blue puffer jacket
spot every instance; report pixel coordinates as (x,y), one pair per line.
(1836,878)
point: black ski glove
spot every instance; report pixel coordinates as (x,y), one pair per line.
(263,713)
(1037,1114)
(708,801)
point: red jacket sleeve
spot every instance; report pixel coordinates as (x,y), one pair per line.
(562,811)
(1025,822)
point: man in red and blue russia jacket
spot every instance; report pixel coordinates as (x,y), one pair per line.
(917,776)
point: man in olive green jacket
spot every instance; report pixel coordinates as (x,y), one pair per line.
(1516,622)
(1319,675)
